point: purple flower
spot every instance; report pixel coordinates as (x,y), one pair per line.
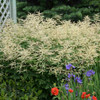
(69,66)
(89,73)
(67,91)
(66,86)
(71,75)
(78,80)
(73,66)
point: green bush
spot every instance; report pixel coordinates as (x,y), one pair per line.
(24,86)
(17,86)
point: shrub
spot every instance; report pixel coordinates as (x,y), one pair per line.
(43,45)
(24,86)
(17,88)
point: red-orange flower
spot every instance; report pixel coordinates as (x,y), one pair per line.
(87,95)
(70,90)
(55,91)
(83,95)
(94,98)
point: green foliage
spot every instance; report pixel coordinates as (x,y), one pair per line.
(25,86)
(20,6)
(70,10)
(13,86)
(24,44)
(31,9)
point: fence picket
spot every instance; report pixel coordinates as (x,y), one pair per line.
(7,10)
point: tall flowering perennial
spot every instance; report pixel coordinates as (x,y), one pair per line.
(74,85)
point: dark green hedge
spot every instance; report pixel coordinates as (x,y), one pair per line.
(69,9)
(25,86)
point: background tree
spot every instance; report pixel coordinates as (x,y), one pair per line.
(69,9)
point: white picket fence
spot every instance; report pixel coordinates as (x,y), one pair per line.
(7,10)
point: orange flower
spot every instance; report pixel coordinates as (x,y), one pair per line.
(55,91)
(83,95)
(87,95)
(94,98)
(70,90)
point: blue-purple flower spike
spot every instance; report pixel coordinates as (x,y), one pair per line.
(73,75)
(78,80)
(69,75)
(66,86)
(89,73)
(73,66)
(69,66)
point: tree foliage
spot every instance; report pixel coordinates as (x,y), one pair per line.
(69,9)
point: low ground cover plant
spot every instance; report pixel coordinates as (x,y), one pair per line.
(36,50)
